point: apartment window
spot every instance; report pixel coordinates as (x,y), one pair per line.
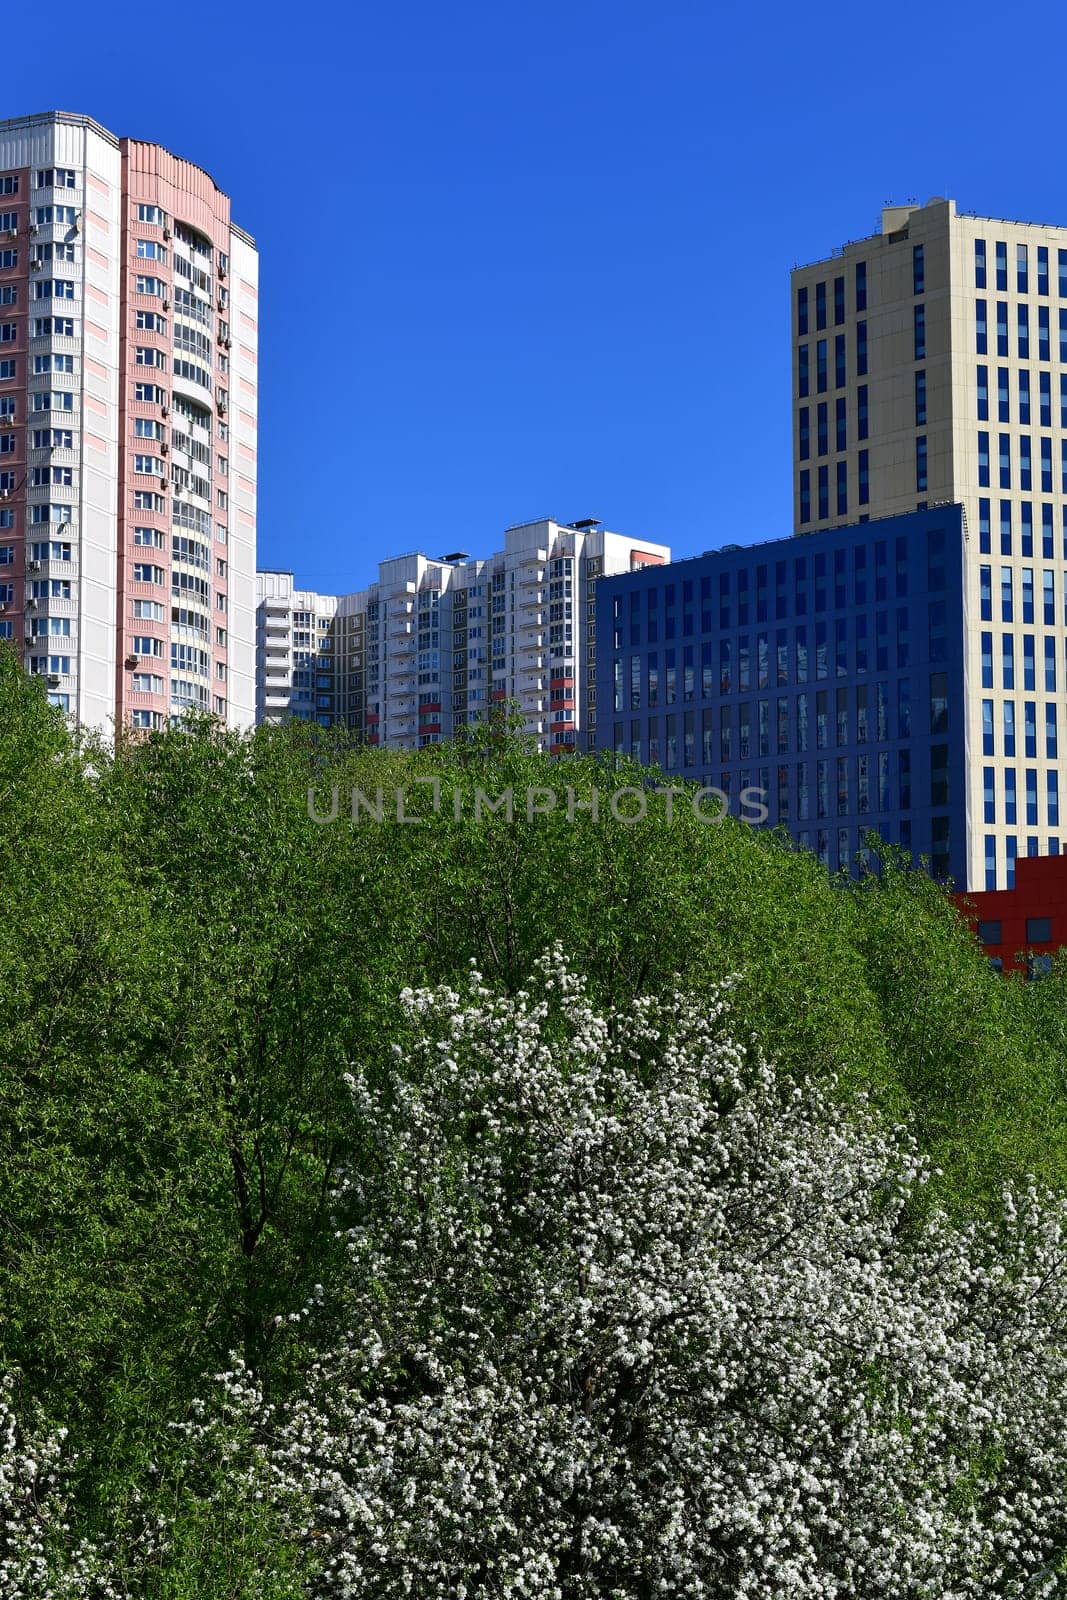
(54,289)
(820,305)
(1011,809)
(805,496)
(821,376)
(920,398)
(1009,728)
(1022,275)
(920,463)
(1044,380)
(862,412)
(1061,259)
(861,285)
(54,178)
(1005,460)
(839,302)
(804,432)
(842,488)
(149,392)
(918,270)
(981,328)
(983,460)
(1006,597)
(9,294)
(983,394)
(920,332)
(53,327)
(1053,800)
(861,348)
(1051,733)
(985,590)
(824,493)
(1024,398)
(1025,463)
(53,401)
(1001,250)
(151,250)
(154,214)
(822,444)
(1002,328)
(803,376)
(841,424)
(802,310)
(58,363)
(146,356)
(864,478)
(839,361)
(987,728)
(1042,269)
(1042,333)
(989,803)
(990,880)
(9,184)
(1023,324)
(983,527)
(979,264)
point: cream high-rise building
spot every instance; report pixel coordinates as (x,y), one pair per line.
(930,365)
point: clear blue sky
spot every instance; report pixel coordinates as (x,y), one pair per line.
(524,260)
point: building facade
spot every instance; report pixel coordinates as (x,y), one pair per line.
(295,661)
(930,365)
(1022,928)
(828,674)
(434,644)
(128,402)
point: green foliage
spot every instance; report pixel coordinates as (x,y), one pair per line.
(189,963)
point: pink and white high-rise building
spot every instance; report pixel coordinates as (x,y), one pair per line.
(128,403)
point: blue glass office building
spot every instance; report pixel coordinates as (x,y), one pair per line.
(826,670)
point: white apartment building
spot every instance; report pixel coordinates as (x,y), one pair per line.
(294,644)
(930,365)
(436,643)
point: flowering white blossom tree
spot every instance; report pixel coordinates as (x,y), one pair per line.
(629,1316)
(626,1314)
(41,1557)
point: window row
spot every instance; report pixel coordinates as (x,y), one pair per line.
(822,363)
(1025,521)
(1011,807)
(1020,465)
(1033,336)
(838,431)
(840,482)
(836,298)
(863,714)
(1033,715)
(1027,670)
(1022,274)
(1026,406)
(1019,586)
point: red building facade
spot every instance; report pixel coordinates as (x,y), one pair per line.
(1020,928)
